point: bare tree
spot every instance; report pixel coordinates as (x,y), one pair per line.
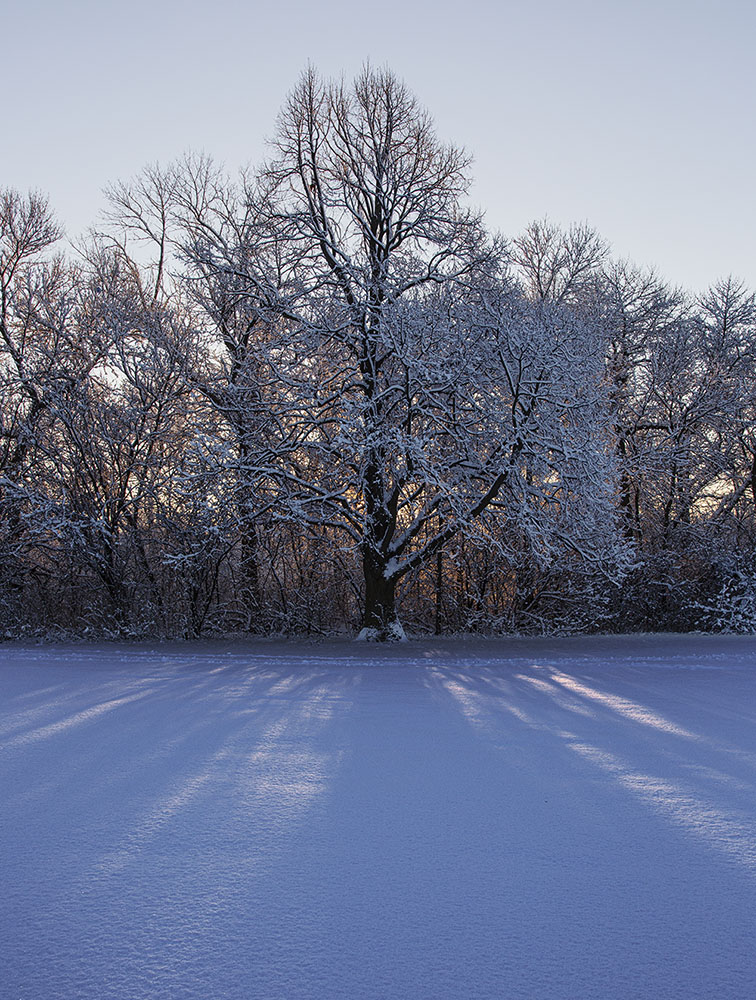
(370,201)
(555,264)
(27,233)
(415,417)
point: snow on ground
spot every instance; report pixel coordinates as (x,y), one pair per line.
(503,819)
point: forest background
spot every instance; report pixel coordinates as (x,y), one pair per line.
(321,395)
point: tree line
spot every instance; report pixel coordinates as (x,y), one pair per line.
(321,395)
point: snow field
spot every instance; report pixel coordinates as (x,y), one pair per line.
(562,819)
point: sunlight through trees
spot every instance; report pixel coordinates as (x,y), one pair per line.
(322,396)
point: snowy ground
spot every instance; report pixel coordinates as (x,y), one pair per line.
(527,819)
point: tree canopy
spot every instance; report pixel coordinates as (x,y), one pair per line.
(323,396)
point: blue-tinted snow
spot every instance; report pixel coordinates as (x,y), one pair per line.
(505,819)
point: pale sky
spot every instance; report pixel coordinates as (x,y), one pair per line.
(636,117)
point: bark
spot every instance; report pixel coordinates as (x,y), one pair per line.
(379,622)
(249,590)
(249,571)
(439,591)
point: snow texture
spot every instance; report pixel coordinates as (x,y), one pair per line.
(502,819)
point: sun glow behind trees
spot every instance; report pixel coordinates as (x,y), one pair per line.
(334,397)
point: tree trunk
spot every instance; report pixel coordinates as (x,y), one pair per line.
(249,589)
(439,590)
(379,622)
(246,505)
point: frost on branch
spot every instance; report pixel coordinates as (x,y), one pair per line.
(323,396)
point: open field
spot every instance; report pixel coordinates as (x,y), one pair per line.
(562,819)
